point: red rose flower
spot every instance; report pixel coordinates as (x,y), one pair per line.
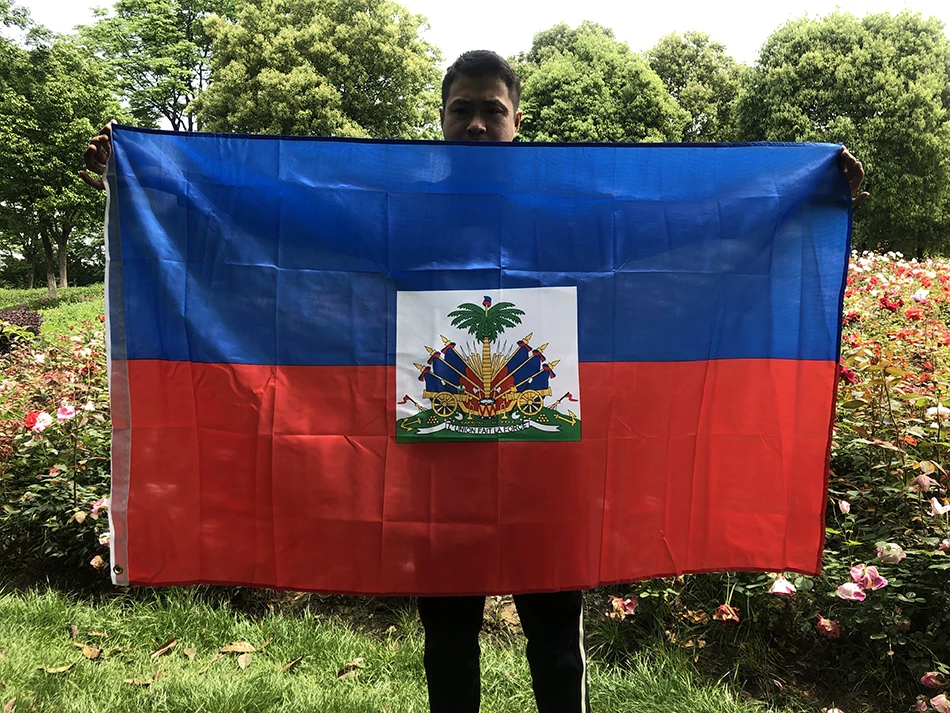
(30,419)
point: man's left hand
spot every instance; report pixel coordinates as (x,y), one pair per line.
(855,173)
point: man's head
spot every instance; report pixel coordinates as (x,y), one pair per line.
(480,95)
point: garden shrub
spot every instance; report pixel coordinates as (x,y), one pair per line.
(13,322)
(879,613)
(54,453)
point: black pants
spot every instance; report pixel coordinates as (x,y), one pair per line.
(553,624)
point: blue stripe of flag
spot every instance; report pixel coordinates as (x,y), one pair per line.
(266,250)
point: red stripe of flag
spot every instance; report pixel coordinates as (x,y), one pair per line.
(290,477)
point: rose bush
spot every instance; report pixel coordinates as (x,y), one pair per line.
(54,452)
(880,610)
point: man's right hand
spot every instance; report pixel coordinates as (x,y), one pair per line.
(97,156)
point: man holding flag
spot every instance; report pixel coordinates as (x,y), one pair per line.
(480,97)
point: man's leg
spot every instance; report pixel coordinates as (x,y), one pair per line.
(451,656)
(554,626)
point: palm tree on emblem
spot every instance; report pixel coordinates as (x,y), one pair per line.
(486,323)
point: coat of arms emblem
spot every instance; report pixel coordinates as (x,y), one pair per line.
(482,372)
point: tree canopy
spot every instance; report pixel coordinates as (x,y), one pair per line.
(161,54)
(881,85)
(583,85)
(322,67)
(703,79)
(53,96)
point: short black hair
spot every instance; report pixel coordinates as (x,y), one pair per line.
(482,63)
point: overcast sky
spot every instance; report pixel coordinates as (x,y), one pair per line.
(507,26)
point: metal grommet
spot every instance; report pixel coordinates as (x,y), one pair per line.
(118,569)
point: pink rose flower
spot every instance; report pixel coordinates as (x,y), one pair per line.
(945,545)
(782,587)
(65,412)
(621,608)
(43,421)
(99,504)
(924,482)
(851,592)
(867,577)
(828,628)
(890,553)
(97,562)
(940,703)
(935,505)
(931,679)
(844,506)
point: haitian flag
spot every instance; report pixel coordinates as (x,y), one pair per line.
(436,368)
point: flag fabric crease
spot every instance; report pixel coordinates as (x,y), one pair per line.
(404,368)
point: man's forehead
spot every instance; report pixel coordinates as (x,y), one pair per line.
(479,89)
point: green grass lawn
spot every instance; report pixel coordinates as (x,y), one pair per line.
(340,669)
(73,305)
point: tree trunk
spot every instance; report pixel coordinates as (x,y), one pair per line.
(50,266)
(61,246)
(486,367)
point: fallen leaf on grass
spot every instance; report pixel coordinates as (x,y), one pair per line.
(164,648)
(350,670)
(121,649)
(191,653)
(59,669)
(99,634)
(244,660)
(265,644)
(3,653)
(11,704)
(287,666)
(146,682)
(237,647)
(696,617)
(509,614)
(74,631)
(90,652)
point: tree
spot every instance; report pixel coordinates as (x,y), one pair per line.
(702,78)
(582,85)
(486,323)
(881,85)
(53,96)
(323,67)
(161,54)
